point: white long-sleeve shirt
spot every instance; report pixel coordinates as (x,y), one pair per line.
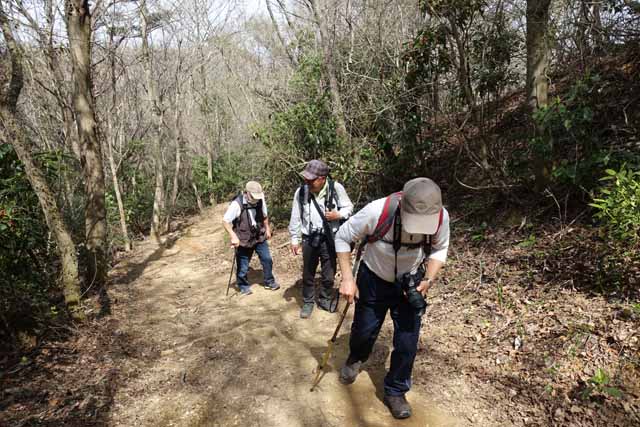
(380,256)
(311,219)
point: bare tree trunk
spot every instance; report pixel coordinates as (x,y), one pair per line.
(463,70)
(10,132)
(599,32)
(179,146)
(198,199)
(338,110)
(292,58)
(116,190)
(467,89)
(78,20)
(206,106)
(537,84)
(111,140)
(537,52)
(158,112)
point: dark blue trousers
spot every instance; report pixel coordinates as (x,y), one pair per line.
(243,257)
(376,298)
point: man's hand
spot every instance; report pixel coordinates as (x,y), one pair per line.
(295,249)
(332,215)
(424,287)
(267,233)
(348,289)
(235,242)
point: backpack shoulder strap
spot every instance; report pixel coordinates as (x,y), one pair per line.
(302,198)
(238,199)
(385,220)
(259,214)
(426,244)
(243,207)
(334,201)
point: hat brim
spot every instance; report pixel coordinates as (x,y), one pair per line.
(257,196)
(308,175)
(420,224)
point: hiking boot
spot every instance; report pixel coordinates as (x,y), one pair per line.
(306,310)
(349,372)
(246,291)
(398,406)
(325,304)
(272,286)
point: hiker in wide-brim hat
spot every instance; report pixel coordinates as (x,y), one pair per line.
(407,238)
(247,222)
(320,205)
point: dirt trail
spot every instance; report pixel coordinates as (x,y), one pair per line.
(199,358)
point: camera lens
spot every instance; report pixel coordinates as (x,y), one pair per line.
(414,297)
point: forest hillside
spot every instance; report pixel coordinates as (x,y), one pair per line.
(127,127)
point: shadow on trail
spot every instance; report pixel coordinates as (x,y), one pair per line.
(294,292)
(135,270)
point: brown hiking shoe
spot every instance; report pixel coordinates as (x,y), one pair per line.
(398,406)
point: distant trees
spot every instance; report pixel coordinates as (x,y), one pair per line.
(175,104)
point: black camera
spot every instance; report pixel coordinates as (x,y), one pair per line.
(409,283)
(315,239)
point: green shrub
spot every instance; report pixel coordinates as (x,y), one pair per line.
(570,140)
(618,204)
(25,252)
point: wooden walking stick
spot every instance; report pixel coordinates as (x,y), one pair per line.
(233,264)
(332,341)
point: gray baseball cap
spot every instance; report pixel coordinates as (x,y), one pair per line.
(421,206)
(314,169)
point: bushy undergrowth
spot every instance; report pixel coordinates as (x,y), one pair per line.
(618,205)
(27,257)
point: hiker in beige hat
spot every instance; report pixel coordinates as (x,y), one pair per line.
(407,238)
(247,222)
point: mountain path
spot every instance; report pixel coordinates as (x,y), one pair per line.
(197,357)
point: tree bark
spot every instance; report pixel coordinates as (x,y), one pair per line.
(537,84)
(292,58)
(10,132)
(111,140)
(467,89)
(158,113)
(537,52)
(198,199)
(338,110)
(179,141)
(78,19)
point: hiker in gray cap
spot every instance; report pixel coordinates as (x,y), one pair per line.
(320,205)
(407,238)
(247,223)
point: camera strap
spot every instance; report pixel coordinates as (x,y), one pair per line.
(397,235)
(397,244)
(331,244)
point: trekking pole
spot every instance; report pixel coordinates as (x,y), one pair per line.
(233,264)
(332,341)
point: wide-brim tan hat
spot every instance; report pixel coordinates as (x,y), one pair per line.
(254,189)
(421,206)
